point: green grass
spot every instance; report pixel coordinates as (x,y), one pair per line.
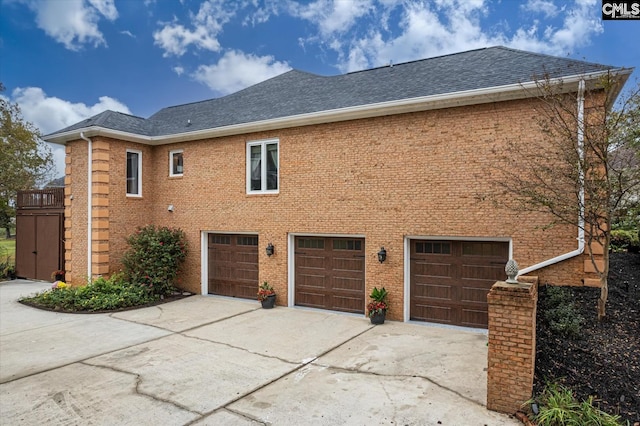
(558,407)
(8,250)
(7,257)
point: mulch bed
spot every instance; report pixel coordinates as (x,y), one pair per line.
(604,362)
(167,299)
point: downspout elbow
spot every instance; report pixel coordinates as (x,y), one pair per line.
(581,198)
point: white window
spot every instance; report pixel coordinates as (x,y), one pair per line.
(134,173)
(262,167)
(176,163)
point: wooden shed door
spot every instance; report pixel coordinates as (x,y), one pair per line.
(450,280)
(233,265)
(329,273)
(38,245)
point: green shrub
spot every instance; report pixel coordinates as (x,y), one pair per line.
(154,257)
(559,407)
(622,240)
(561,313)
(101,294)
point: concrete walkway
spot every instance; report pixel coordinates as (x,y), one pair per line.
(216,361)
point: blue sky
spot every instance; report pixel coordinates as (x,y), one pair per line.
(65,60)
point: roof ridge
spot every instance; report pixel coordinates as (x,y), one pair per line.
(546,55)
(233,93)
(421,60)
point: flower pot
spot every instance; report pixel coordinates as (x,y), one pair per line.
(59,277)
(269,302)
(378,318)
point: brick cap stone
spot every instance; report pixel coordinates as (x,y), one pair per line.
(505,285)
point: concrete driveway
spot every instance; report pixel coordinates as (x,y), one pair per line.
(215,361)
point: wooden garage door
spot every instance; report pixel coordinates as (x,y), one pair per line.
(450,280)
(329,273)
(233,265)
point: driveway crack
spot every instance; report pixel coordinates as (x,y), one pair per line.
(402,376)
(138,391)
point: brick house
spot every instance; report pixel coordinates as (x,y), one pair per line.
(329,171)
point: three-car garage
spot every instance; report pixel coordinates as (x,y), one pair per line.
(447,280)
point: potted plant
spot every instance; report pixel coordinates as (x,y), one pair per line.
(377,308)
(266,295)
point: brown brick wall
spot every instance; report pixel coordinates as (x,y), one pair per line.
(512,345)
(76,212)
(417,174)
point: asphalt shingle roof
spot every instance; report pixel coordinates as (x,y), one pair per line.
(296,92)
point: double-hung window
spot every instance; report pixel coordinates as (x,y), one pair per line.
(134,173)
(176,163)
(262,167)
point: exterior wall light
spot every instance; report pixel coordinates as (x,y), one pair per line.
(382,255)
(270,249)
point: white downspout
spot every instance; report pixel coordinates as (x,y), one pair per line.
(89,200)
(581,243)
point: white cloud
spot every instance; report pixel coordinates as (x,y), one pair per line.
(178,70)
(73,23)
(332,16)
(106,8)
(175,38)
(427,29)
(50,114)
(423,33)
(127,33)
(262,13)
(237,70)
(546,7)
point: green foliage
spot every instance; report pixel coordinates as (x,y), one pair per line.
(101,294)
(154,257)
(379,295)
(25,162)
(6,264)
(378,303)
(265,290)
(561,314)
(622,240)
(559,407)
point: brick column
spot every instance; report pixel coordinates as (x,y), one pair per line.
(70,273)
(100,209)
(512,345)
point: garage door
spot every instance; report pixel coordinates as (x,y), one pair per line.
(233,265)
(450,280)
(329,273)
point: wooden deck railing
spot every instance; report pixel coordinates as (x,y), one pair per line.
(50,198)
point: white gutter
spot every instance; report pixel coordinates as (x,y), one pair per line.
(89,200)
(581,244)
(422,103)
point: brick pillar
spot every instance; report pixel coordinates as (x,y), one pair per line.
(100,208)
(512,345)
(69,272)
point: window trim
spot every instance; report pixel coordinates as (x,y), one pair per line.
(263,169)
(171,154)
(139,193)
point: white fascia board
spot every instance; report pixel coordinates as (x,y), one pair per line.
(423,103)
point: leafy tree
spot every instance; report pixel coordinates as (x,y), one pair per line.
(25,160)
(584,168)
